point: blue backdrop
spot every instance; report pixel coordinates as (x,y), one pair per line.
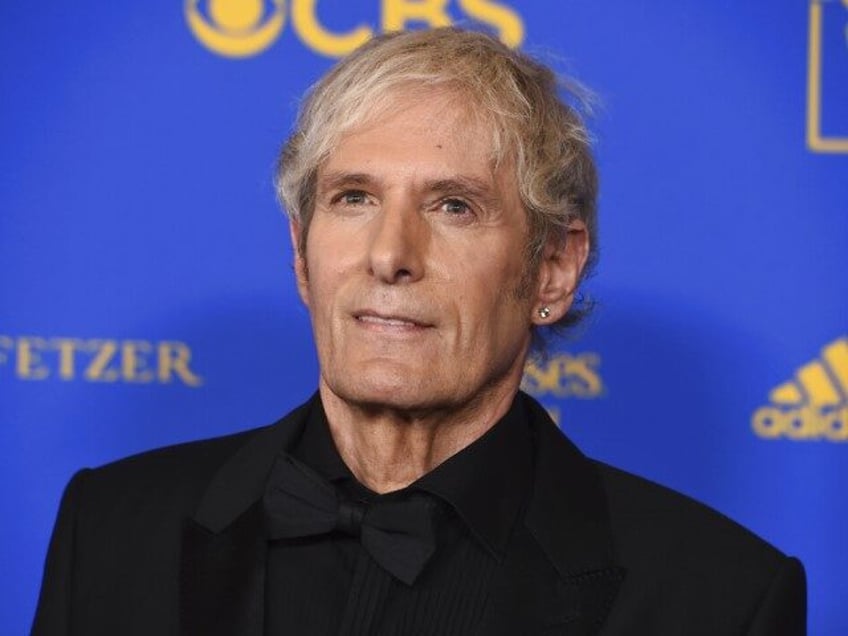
(146,292)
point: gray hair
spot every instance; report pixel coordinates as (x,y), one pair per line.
(544,135)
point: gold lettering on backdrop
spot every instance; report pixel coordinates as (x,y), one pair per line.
(806,423)
(67,348)
(398,13)
(174,357)
(565,375)
(817,139)
(507,22)
(5,343)
(101,360)
(243,28)
(133,363)
(29,364)
(97,369)
(812,405)
(318,38)
(236,28)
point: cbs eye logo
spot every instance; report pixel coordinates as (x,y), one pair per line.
(241,28)
(235,28)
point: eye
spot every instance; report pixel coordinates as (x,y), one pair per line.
(351,197)
(455,207)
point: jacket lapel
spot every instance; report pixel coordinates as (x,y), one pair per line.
(222,578)
(222,568)
(224,548)
(562,578)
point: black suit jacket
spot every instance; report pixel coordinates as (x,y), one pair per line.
(170,542)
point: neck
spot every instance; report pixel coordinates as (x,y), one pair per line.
(388,448)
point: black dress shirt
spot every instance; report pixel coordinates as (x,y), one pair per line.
(329,584)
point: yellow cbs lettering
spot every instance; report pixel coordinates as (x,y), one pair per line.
(398,13)
(321,40)
(241,28)
(565,375)
(507,22)
(237,16)
(236,30)
(539,380)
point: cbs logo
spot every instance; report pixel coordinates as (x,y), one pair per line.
(241,28)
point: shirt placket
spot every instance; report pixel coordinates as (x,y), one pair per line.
(366,599)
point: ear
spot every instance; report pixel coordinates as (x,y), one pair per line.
(563,260)
(300,269)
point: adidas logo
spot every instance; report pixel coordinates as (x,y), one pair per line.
(812,406)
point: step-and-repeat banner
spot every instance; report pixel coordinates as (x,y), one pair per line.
(146,288)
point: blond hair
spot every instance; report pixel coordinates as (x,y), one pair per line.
(543,135)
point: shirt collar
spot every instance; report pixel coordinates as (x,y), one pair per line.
(486,483)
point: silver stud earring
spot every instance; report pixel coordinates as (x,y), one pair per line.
(544,312)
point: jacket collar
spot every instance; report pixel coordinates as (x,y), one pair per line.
(568,517)
(568,512)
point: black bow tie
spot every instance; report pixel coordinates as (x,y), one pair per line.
(397,532)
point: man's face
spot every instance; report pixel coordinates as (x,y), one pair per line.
(414,262)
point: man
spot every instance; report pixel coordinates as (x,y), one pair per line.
(442,205)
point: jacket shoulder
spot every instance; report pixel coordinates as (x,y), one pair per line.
(155,490)
(164,472)
(688,565)
(169,480)
(650,519)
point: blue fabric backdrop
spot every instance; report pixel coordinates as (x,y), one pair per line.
(146,294)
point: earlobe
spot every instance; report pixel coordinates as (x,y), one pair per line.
(300,269)
(563,260)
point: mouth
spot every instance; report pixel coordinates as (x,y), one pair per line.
(389,321)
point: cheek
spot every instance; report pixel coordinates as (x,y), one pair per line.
(491,308)
(329,290)
(317,266)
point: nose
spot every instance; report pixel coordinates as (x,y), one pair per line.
(398,243)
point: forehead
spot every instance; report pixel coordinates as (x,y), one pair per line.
(418,127)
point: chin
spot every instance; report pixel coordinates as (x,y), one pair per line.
(391,395)
(397,392)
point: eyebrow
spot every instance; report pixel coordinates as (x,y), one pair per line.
(462,185)
(335,180)
(467,186)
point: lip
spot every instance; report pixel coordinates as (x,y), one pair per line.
(389,320)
